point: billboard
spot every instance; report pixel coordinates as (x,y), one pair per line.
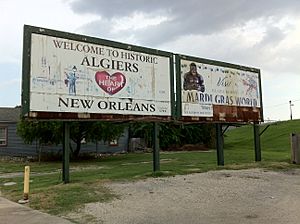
(68,76)
(217,91)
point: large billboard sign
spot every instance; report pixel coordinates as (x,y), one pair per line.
(217,91)
(68,76)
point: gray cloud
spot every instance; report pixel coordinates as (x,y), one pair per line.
(178,8)
(272,36)
(189,16)
(117,8)
(198,27)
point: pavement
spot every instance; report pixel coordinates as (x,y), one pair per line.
(14,213)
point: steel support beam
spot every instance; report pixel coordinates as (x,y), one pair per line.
(155,139)
(66,152)
(219,145)
(257,147)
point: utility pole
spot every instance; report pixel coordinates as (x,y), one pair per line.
(291,113)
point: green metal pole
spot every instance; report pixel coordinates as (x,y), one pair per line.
(219,145)
(257,147)
(156,165)
(178,88)
(66,152)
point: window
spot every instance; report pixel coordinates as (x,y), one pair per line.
(3,136)
(113,142)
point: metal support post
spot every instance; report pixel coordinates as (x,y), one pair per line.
(257,147)
(26,183)
(291,112)
(219,145)
(156,165)
(66,152)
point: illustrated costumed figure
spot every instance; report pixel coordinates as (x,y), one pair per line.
(193,80)
(71,81)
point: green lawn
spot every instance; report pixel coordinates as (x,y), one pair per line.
(47,192)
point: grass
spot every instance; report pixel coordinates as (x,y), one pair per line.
(47,193)
(275,142)
(63,197)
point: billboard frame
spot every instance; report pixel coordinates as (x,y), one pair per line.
(68,116)
(179,117)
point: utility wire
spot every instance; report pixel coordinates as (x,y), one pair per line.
(276,105)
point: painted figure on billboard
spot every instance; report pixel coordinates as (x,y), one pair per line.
(193,80)
(71,81)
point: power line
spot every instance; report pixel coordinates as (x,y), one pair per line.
(276,105)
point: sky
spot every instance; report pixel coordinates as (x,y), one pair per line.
(264,34)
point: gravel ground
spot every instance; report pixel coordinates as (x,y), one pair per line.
(225,197)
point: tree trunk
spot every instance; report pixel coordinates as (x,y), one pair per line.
(40,152)
(78,147)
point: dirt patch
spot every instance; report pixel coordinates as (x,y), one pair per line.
(225,197)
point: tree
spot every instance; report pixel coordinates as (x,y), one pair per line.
(50,132)
(42,131)
(173,134)
(105,131)
(93,131)
(142,130)
(78,132)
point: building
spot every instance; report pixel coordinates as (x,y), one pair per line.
(12,145)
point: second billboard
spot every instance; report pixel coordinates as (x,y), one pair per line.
(216,91)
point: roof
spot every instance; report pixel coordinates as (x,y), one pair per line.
(9,114)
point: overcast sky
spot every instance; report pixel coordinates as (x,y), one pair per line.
(264,34)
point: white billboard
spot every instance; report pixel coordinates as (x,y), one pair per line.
(205,85)
(67,75)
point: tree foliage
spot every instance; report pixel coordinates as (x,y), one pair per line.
(42,131)
(51,132)
(172,134)
(93,131)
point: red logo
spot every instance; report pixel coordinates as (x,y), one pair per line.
(111,84)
